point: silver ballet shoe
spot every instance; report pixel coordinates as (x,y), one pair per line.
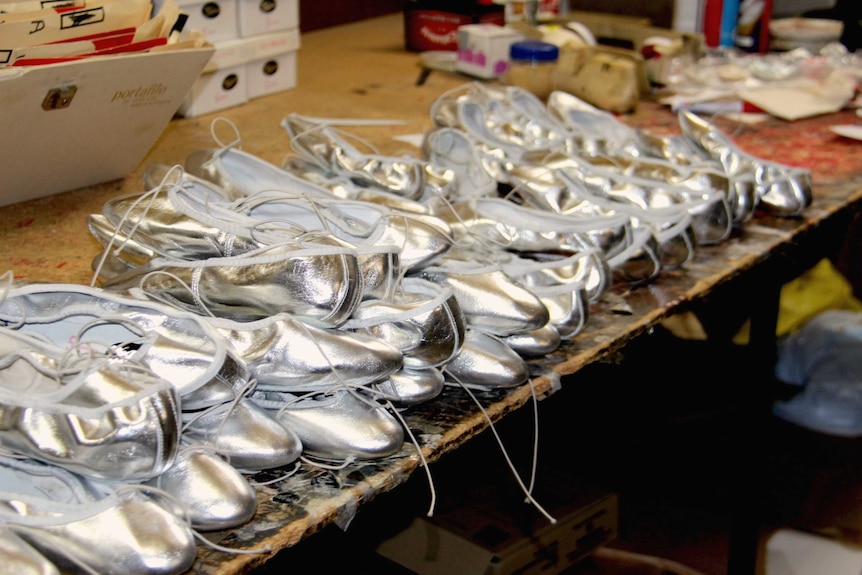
(488,298)
(665,214)
(452,149)
(181,216)
(503,130)
(409,387)
(780,189)
(655,183)
(503,224)
(317,140)
(341,186)
(536,343)
(544,187)
(594,131)
(564,296)
(486,362)
(76,527)
(19,558)
(212,493)
(337,426)
(316,280)
(599,133)
(94,414)
(239,174)
(419,239)
(248,437)
(423,320)
(283,353)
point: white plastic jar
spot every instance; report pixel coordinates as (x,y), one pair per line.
(533,66)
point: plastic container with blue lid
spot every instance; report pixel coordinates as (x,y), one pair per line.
(532,66)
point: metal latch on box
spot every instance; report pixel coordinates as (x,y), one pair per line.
(58,98)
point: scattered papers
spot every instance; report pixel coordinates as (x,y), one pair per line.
(75,29)
(789,86)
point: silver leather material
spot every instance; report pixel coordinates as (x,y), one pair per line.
(489,299)
(248,437)
(420,239)
(565,298)
(285,354)
(409,387)
(190,220)
(536,343)
(315,280)
(486,362)
(489,223)
(337,426)
(73,525)
(98,415)
(423,320)
(315,140)
(212,493)
(19,558)
(239,174)
(182,348)
(179,346)
(780,189)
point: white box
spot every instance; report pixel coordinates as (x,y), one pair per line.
(265,16)
(215,19)
(270,75)
(214,91)
(228,54)
(274,44)
(75,124)
(483,49)
(271,63)
(244,68)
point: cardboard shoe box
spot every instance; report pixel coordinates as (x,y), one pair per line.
(215,19)
(79,123)
(243,69)
(265,16)
(483,532)
(271,74)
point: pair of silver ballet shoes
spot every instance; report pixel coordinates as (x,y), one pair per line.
(515,127)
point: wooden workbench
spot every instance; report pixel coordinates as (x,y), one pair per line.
(361,70)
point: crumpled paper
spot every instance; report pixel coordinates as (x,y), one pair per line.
(803,97)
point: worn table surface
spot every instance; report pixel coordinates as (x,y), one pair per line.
(362,71)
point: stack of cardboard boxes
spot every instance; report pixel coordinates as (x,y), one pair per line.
(256,43)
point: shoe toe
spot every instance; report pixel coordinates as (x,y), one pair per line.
(213,493)
(249,437)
